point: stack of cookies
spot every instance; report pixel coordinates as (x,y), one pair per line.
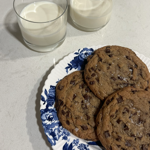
(108,101)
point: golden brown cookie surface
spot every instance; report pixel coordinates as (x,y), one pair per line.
(124,121)
(112,68)
(77,106)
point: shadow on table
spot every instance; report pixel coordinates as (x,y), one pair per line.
(13,28)
(12,33)
(12,44)
(34,123)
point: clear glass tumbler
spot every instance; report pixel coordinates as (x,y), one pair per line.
(42,22)
(90,15)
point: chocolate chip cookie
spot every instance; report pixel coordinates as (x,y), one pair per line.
(112,68)
(123,123)
(77,106)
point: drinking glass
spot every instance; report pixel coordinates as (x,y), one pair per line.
(90,15)
(42,23)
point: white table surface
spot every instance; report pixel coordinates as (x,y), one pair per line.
(23,72)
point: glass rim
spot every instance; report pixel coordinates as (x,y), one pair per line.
(40,22)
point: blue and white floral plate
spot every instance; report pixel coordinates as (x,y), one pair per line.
(60,138)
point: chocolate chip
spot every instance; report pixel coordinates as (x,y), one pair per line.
(113,78)
(112,116)
(135,66)
(140,121)
(67,122)
(140,137)
(148,134)
(109,100)
(132,135)
(87,97)
(110,55)
(118,121)
(87,90)
(87,117)
(120,78)
(92,82)
(123,148)
(67,114)
(125,110)
(118,138)
(100,59)
(110,148)
(133,91)
(97,79)
(99,69)
(147,89)
(106,133)
(143,147)
(126,127)
(128,143)
(140,72)
(60,102)
(131,78)
(125,84)
(63,112)
(75,76)
(107,50)
(89,70)
(92,69)
(128,57)
(116,111)
(118,66)
(135,113)
(119,99)
(133,85)
(93,75)
(81,86)
(84,127)
(88,78)
(72,82)
(84,106)
(74,96)
(60,87)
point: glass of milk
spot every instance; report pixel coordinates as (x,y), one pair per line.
(42,22)
(90,15)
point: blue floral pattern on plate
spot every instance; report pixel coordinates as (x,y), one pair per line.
(79,60)
(52,127)
(56,134)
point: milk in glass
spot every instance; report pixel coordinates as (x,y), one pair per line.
(90,14)
(40,26)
